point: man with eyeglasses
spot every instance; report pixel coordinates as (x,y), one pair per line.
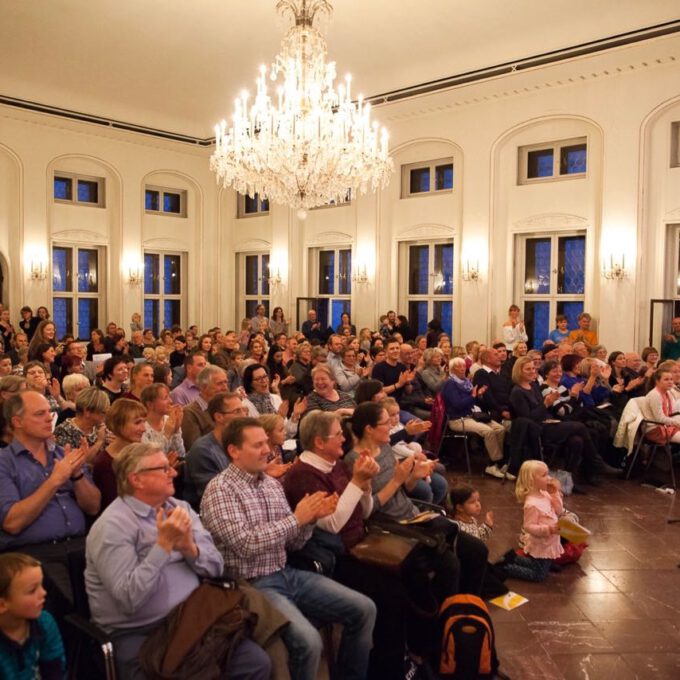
(206,458)
(145,555)
(196,421)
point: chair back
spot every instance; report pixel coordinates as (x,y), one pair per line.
(76,563)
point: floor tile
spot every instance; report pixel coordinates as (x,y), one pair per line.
(593,667)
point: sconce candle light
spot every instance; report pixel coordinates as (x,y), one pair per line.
(135,276)
(274,277)
(360,276)
(471,271)
(615,269)
(38,271)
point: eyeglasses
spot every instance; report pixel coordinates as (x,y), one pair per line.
(234,411)
(333,436)
(166,468)
(383,422)
(261,378)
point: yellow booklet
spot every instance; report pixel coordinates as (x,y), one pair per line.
(573,531)
(509,601)
(420,518)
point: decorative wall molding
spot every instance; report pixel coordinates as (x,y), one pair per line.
(426,231)
(165,244)
(253,244)
(80,236)
(672,215)
(329,238)
(550,222)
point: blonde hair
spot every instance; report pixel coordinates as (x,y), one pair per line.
(525,478)
(518,367)
(389,402)
(269,421)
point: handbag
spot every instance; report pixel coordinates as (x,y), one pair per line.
(380,548)
(480,416)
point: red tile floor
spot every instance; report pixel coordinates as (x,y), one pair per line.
(616,614)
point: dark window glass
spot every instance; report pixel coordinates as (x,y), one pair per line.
(344,273)
(540,163)
(418,275)
(87,271)
(444,312)
(338,308)
(571,265)
(62,269)
(264,205)
(171,313)
(152,275)
(172,203)
(251,204)
(152,200)
(87,317)
(252,275)
(326,272)
(573,159)
(172,281)
(323,311)
(265,275)
(251,308)
(443,269)
(63,188)
(420,180)
(537,322)
(151,313)
(537,266)
(571,310)
(443,177)
(88,191)
(417,315)
(62,315)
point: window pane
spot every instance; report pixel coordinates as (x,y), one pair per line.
(88,191)
(87,317)
(537,321)
(171,203)
(443,177)
(571,310)
(264,205)
(252,275)
(151,308)
(251,204)
(417,315)
(444,312)
(265,275)
(87,271)
(322,311)
(571,265)
(418,270)
(540,163)
(152,200)
(62,310)
(62,268)
(573,159)
(251,308)
(344,273)
(63,188)
(152,274)
(171,313)
(172,284)
(326,272)
(537,268)
(338,308)
(443,269)
(420,180)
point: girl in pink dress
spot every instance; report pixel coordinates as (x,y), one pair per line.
(542,506)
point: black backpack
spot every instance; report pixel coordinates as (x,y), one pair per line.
(467,650)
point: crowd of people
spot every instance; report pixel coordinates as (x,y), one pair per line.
(264,455)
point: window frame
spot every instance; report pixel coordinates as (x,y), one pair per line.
(162,296)
(432,165)
(263,295)
(675,144)
(241,207)
(75,178)
(74,295)
(314,271)
(556,147)
(162,191)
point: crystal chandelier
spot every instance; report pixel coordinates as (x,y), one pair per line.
(315,143)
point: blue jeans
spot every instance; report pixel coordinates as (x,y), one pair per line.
(434,492)
(302,595)
(528,568)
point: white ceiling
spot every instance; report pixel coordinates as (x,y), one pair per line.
(178,65)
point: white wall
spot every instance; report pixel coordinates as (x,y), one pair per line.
(623,101)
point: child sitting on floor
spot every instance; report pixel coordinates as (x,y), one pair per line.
(30,643)
(467,506)
(542,501)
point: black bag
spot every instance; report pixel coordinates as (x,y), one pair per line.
(480,416)
(466,634)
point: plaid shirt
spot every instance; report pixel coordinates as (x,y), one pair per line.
(251,522)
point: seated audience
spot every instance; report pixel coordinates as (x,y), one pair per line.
(278,324)
(660,406)
(393,374)
(141,376)
(249,518)
(188,390)
(196,420)
(583,333)
(324,396)
(348,373)
(87,423)
(45,333)
(145,555)
(163,426)
(461,400)
(114,376)
(495,399)
(432,375)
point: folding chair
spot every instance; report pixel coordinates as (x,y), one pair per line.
(448,433)
(666,446)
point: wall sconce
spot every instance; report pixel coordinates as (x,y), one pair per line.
(360,276)
(471,271)
(274,277)
(38,271)
(615,270)
(135,276)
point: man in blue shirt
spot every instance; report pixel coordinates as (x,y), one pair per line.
(145,555)
(44,493)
